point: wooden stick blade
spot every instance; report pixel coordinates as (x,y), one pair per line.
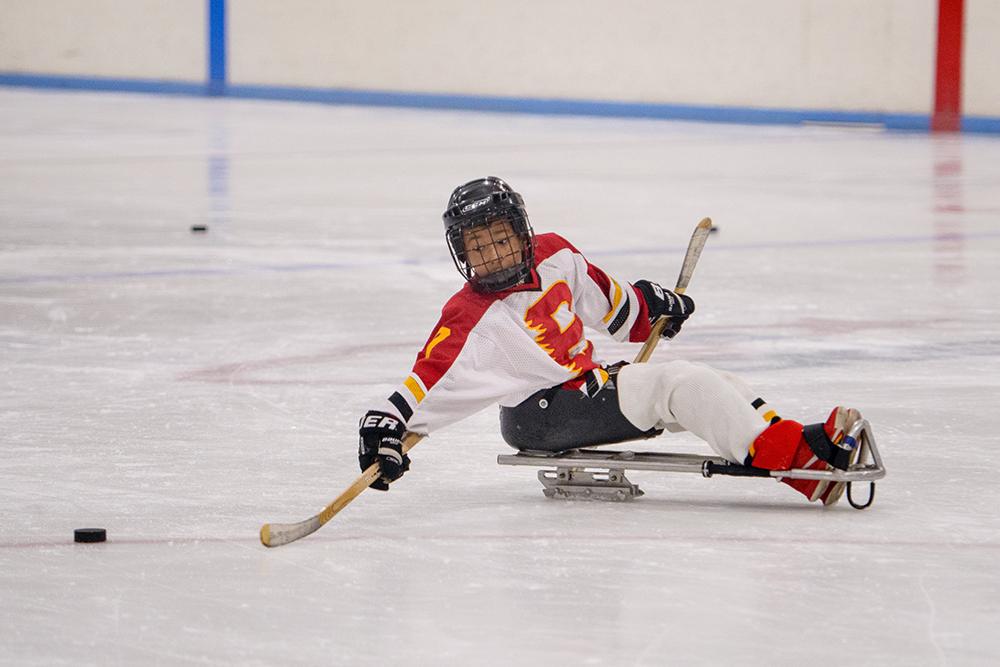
(278,534)
(695,246)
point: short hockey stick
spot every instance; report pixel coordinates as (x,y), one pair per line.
(278,534)
(695,246)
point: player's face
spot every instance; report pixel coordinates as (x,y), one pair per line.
(492,247)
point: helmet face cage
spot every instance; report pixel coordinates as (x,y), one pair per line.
(488,202)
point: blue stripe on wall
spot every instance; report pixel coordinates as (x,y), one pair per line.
(714,114)
(216,47)
(157,86)
(571,107)
(981,124)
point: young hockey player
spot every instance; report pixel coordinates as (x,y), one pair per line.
(514,335)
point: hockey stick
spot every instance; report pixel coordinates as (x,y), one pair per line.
(278,534)
(695,246)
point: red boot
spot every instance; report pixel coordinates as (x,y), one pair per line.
(787,445)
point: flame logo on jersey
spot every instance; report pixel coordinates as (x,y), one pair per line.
(558,330)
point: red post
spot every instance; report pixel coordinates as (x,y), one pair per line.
(948,77)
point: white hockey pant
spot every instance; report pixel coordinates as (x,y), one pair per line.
(714,405)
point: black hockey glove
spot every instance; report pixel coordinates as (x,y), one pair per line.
(661,302)
(381,440)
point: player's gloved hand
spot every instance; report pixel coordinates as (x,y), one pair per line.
(381,440)
(662,302)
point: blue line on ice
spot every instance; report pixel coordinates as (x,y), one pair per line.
(382,263)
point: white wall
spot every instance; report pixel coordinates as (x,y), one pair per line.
(837,54)
(151,39)
(981,56)
(850,55)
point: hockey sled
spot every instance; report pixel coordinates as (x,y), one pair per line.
(599,474)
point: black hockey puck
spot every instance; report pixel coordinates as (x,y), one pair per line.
(90,535)
(199,228)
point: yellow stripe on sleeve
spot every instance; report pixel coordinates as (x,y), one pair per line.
(414,388)
(617,300)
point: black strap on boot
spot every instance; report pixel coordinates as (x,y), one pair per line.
(824,449)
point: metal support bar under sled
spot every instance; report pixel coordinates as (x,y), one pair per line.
(600,474)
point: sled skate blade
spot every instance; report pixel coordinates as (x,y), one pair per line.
(582,484)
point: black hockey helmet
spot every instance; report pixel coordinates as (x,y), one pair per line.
(480,203)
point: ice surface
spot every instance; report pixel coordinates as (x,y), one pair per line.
(181,389)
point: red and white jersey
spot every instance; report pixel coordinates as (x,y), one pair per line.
(504,346)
